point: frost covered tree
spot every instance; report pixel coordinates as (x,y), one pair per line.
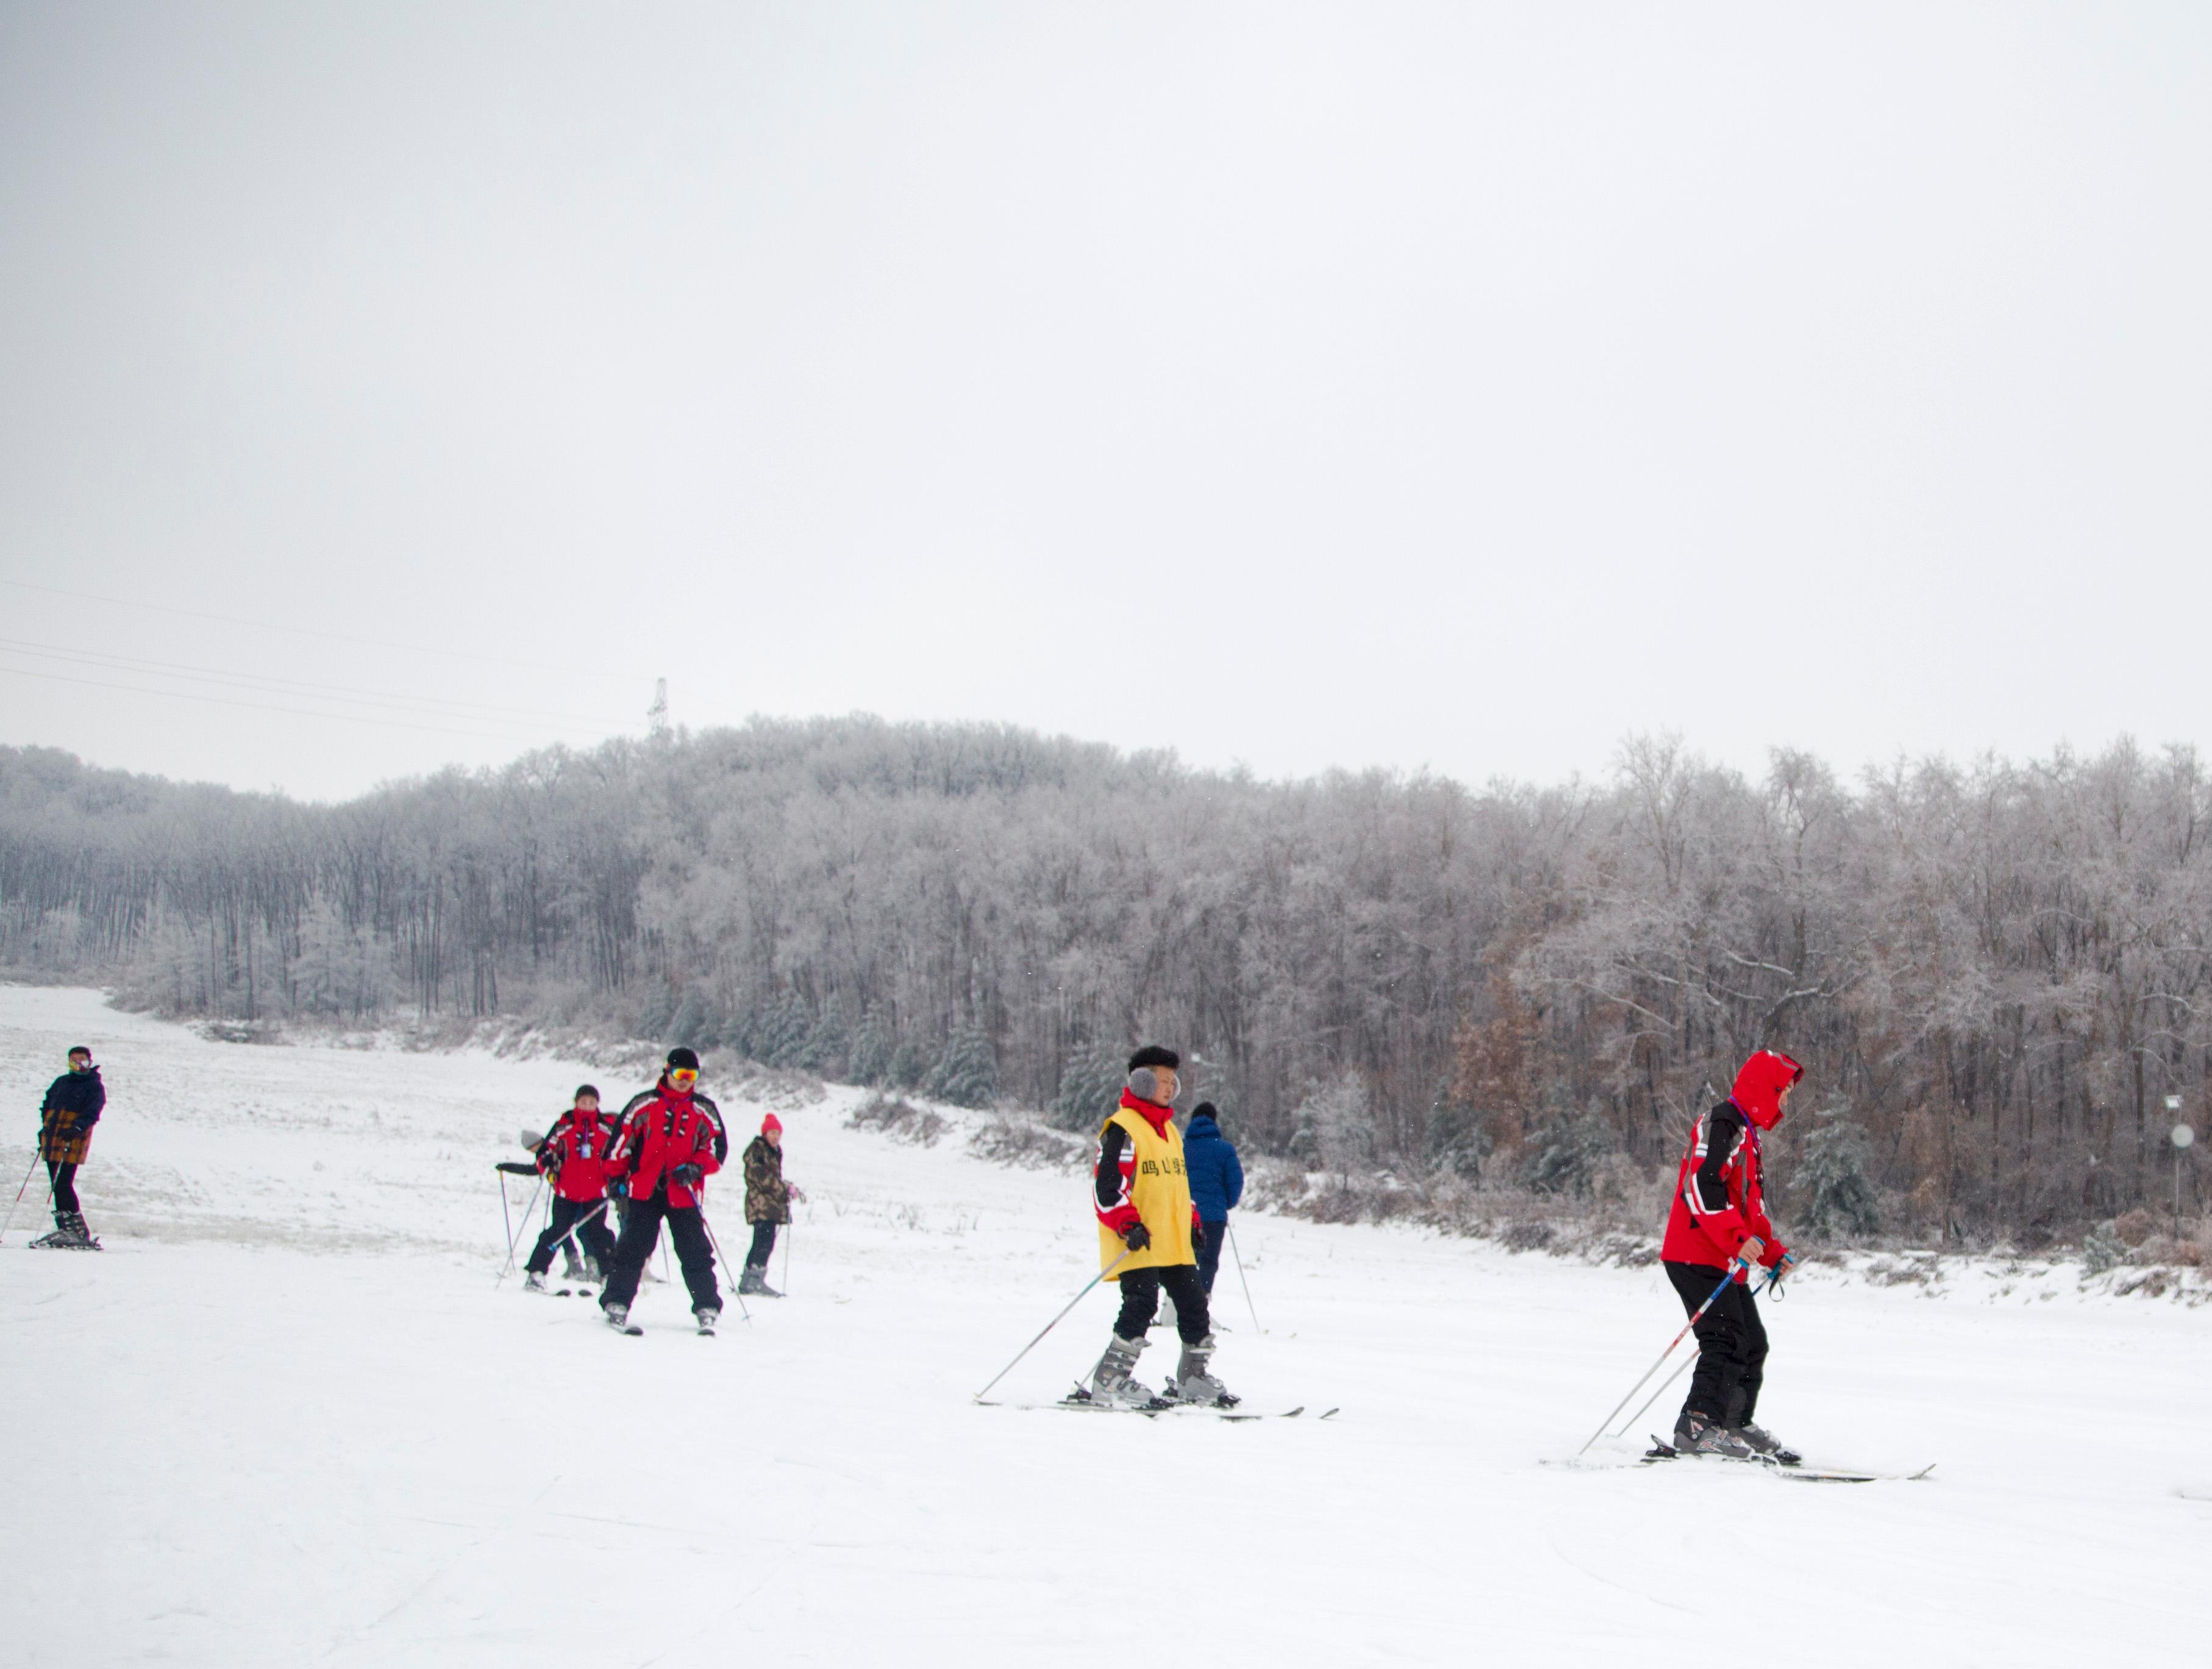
(2006,963)
(1089,1087)
(966,1074)
(1566,1155)
(1333,1128)
(870,1061)
(1831,1177)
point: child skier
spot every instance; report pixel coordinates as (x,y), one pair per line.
(768,1203)
(670,1139)
(1147,1233)
(573,1159)
(1217,1182)
(1718,1229)
(66,1116)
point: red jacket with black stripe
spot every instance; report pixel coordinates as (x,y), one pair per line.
(578,1144)
(661,1129)
(1720,1187)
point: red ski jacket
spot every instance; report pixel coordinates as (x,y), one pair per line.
(579,1141)
(1720,1188)
(661,1129)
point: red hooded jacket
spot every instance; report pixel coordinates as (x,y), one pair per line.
(578,1142)
(1719,1190)
(661,1129)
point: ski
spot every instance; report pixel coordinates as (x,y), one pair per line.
(1236,1413)
(1660,1452)
(1088,1405)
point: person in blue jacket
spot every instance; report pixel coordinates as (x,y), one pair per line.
(1217,1182)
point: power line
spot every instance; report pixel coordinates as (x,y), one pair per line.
(266,707)
(269,683)
(309,631)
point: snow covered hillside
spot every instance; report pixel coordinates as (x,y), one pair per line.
(287,1419)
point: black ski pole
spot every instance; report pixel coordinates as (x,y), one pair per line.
(717,1244)
(1664,1354)
(1241,1280)
(1771,1286)
(1057,1319)
(530,1211)
(28,1175)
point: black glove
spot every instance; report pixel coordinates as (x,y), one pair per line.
(689,1176)
(1197,1236)
(549,1160)
(618,1189)
(1136,1237)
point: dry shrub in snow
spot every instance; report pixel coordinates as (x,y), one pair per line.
(898,1117)
(1031,1146)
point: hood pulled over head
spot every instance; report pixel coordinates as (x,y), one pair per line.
(1759,1087)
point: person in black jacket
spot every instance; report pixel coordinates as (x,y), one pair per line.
(72,1108)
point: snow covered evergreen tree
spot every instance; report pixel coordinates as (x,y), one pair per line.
(966,1074)
(1839,1201)
(870,1059)
(1334,1128)
(1565,1156)
(1089,1087)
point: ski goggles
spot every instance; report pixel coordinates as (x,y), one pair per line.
(683,1077)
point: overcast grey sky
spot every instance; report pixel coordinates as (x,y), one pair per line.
(1456,386)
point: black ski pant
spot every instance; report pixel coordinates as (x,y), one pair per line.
(1731,1345)
(763,1244)
(1209,1252)
(62,1179)
(598,1240)
(1140,1301)
(687,1230)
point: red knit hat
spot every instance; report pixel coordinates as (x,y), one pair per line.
(771,1122)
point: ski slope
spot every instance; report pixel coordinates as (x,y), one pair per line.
(286,1419)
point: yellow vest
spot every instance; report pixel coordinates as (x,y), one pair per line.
(1160,1190)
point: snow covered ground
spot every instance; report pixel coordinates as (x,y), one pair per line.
(287,1419)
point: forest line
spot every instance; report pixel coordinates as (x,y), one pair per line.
(1996,973)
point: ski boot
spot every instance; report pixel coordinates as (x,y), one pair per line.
(572,1267)
(1695,1434)
(1767,1445)
(754,1283)
(1192,1384)
(706,1318)
(1110,1384)
(532,1282)
(70,1234)
(617,1316)
(593,1272)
